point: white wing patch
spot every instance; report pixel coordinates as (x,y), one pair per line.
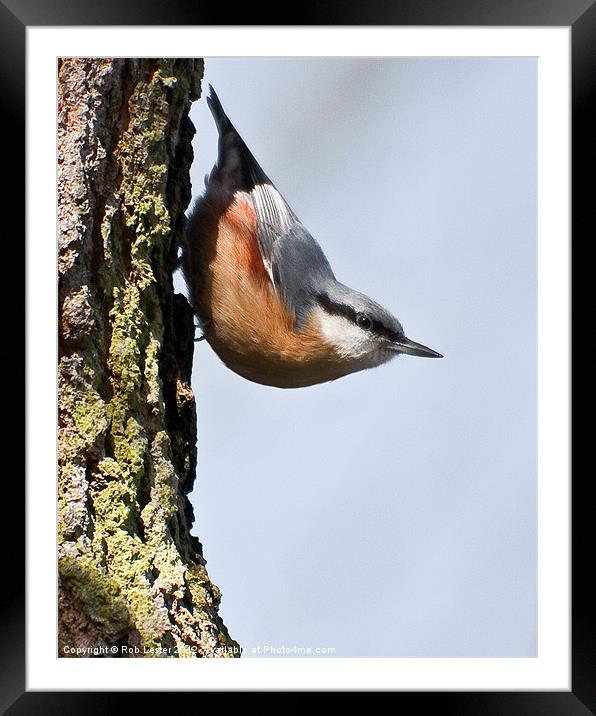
(274,218)
(272,208)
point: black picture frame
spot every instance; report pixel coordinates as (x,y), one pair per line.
(580,15)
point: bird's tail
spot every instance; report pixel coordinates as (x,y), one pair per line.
(221,118)
(231,148)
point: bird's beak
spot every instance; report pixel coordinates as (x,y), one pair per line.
(405,345)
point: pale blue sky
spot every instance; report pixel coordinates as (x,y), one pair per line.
(392,512)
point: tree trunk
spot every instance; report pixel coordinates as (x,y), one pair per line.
(132,579)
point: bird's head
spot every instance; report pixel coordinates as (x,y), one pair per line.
(360,330)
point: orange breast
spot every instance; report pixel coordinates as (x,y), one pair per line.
(245,322)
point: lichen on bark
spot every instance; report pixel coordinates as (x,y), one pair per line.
(130,572)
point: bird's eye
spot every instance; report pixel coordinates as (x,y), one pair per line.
(363,321)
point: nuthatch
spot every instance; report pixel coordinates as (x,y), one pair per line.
(262,288)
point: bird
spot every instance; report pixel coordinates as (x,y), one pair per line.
(263,291)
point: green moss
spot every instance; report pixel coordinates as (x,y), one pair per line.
(162,504)
(99,595)
(128,323)
(85,418)
(197,580)
(130,565)
(113,507)
(110,469)
(130,448)
(154,386)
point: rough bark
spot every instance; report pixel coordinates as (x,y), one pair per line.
(132,579)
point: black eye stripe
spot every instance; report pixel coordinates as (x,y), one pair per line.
(341,309)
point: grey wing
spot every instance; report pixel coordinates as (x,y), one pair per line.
(301,271)
(296,264)
(274,219)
